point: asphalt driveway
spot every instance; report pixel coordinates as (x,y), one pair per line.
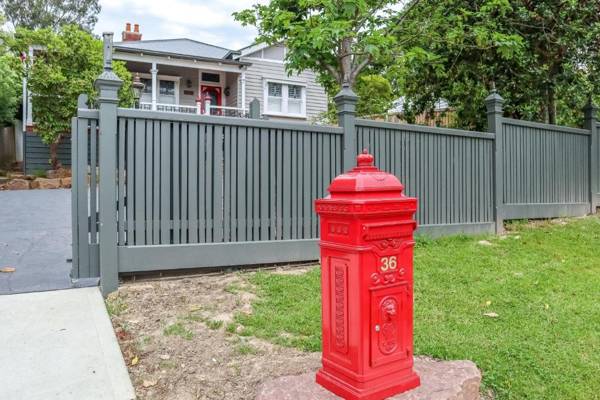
(35,238)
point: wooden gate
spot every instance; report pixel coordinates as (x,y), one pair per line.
(84,192)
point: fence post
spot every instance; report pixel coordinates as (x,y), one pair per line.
(591,124)
(254,109)
(108,85)
(345,101)
(494,103)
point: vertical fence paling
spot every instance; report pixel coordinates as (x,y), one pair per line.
(449,171)
(544,164)
(591,124)
(220,181)
(84,193)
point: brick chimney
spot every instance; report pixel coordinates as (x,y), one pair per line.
(131,36)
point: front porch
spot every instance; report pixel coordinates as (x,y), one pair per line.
(203,89)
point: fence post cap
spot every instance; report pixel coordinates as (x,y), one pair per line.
(494,102)
(590,107)
(82,101)
(108,82)
(345,95)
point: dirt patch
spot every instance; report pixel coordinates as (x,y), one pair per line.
(180,342)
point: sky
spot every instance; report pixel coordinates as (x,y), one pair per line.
(208,21)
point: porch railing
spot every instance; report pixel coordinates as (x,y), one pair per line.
(212,110)
(170,108)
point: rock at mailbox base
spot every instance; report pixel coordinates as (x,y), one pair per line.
(367,245)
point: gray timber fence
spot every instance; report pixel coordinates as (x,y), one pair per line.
(163,191)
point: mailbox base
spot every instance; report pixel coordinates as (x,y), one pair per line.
(393,384)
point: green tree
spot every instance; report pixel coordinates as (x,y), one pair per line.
(375,95)
(10,89)
(335,38)
(36,14)
(67,66)
(541,55)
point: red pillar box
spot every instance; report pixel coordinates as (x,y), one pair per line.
(367,245)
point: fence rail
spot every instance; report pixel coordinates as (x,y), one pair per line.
(157,191)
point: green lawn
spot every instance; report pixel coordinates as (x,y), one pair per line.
(542,281)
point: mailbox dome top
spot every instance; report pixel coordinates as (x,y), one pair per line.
(365,177)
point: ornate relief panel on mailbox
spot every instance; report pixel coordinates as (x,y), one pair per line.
(389,331)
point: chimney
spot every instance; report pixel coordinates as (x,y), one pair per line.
(131,36)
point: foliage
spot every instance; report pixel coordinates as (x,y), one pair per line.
(10,80)
(375,95)
(542,56)
(541,280)
(67,66)
(10,88)
(52,14)
(335,38)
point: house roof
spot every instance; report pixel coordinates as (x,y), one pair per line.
(177,47)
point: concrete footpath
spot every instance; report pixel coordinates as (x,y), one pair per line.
(60,345)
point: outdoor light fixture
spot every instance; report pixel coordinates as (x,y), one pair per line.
(137,86)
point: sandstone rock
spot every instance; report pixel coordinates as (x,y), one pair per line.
(65,182)
(42,183)
(52,174)
(440,380)
(15,175)
(17,184)
(58,173)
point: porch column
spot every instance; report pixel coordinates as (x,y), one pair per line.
(29,114)
(154,72)
(243,82)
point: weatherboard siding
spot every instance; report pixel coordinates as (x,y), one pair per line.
(262,70)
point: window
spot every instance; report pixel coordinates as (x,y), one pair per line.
(208,77)
(294,99)
(167,88)
(147,85)
(284,99)
(274,99)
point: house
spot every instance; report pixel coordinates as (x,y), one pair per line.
(189,76)
(185,75)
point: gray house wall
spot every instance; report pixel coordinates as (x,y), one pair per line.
(268,64)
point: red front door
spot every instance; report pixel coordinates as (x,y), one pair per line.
(212,93)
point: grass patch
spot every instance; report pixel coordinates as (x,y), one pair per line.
(178,329)
(542,280)
(233,288)
(245,349)
(214,324)
(115,305)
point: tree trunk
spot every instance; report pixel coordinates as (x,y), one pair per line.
(346,62)
(54,162)
(551,105)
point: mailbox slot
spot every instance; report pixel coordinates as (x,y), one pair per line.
(389,330)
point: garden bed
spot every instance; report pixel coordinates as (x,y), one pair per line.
(523,306)
(180,340)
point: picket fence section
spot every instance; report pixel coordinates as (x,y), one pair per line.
(546,170)
(84,193)
(450,171)
(161,191)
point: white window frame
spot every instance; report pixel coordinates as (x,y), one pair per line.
(176,79)
(284,96)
